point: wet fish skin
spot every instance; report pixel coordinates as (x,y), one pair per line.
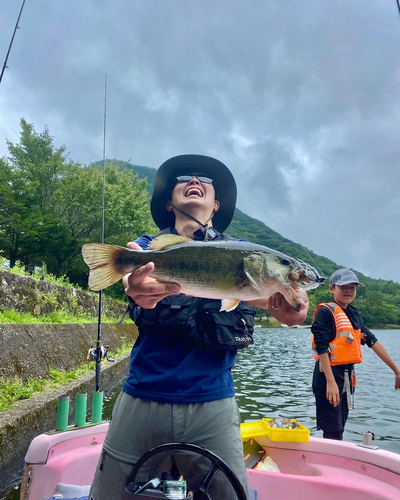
(228,270)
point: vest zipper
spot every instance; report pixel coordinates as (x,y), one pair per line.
(246,331)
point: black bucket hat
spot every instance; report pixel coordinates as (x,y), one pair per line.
(165,180)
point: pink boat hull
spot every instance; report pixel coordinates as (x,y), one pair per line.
(319,469)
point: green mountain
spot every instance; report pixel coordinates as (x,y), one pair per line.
(142,172)
(378,301)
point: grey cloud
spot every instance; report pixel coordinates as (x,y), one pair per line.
(300,99)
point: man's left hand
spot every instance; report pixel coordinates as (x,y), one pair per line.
(280,308)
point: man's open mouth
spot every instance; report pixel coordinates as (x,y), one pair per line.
(194,191)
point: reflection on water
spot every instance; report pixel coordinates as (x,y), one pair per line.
(273,378)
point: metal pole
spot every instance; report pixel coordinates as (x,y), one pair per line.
(12,39)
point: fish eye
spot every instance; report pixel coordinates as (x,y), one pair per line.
(286,262)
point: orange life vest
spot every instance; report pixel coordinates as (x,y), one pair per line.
(346,346)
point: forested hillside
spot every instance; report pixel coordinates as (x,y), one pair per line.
(50,206)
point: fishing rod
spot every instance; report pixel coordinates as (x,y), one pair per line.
(97,406)
(98,345)
(12,39)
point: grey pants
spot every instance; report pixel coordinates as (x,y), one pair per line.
(138,425)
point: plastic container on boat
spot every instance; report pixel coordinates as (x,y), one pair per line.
(262,428)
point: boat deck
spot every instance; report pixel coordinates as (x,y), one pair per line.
(318,469)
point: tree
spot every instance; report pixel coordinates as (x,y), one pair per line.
(30,177)
(126,214)
(50,205)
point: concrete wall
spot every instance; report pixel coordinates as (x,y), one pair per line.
(30,350)
(25,294)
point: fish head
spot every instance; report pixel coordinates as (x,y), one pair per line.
(267,268)
(276,272)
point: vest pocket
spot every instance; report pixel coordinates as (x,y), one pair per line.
(226,330)
(176,312)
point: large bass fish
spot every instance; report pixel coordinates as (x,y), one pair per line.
(231,271)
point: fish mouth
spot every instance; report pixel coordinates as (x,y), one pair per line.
(194,191)
(305,276)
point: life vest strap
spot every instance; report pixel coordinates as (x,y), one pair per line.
(347,388)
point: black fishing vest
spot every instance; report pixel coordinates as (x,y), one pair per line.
(198,318)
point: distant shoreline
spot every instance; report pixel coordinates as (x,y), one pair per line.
(274,323)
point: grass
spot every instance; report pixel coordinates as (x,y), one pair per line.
(18,268)
(268,323)
(56,317)
(61,316)
(12,391)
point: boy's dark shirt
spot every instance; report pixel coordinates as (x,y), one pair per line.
(324,331)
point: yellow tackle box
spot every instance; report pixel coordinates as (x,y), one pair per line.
(262,428)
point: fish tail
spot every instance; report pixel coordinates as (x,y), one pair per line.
(102,261)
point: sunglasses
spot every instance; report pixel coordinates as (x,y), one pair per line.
(189,177)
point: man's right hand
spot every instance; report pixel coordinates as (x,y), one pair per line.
(146,291)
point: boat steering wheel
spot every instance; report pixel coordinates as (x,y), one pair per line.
(201,492)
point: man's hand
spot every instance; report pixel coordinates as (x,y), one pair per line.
(280,308)
(146,291)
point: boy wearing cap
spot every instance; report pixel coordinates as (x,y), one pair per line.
(176,389)
(337,336)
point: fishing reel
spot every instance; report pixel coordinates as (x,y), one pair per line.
(92,353)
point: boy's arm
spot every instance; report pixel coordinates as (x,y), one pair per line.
(386,358)
(332,389)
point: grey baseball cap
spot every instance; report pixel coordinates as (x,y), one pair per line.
(344,277)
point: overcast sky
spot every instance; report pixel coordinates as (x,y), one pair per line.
(301,99)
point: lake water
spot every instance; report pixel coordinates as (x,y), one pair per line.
(273,378)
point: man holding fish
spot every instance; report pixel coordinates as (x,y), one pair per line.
(191,291)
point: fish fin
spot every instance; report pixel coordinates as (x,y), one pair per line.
(101,260)
(251,265)
(168,240)
(229,304)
